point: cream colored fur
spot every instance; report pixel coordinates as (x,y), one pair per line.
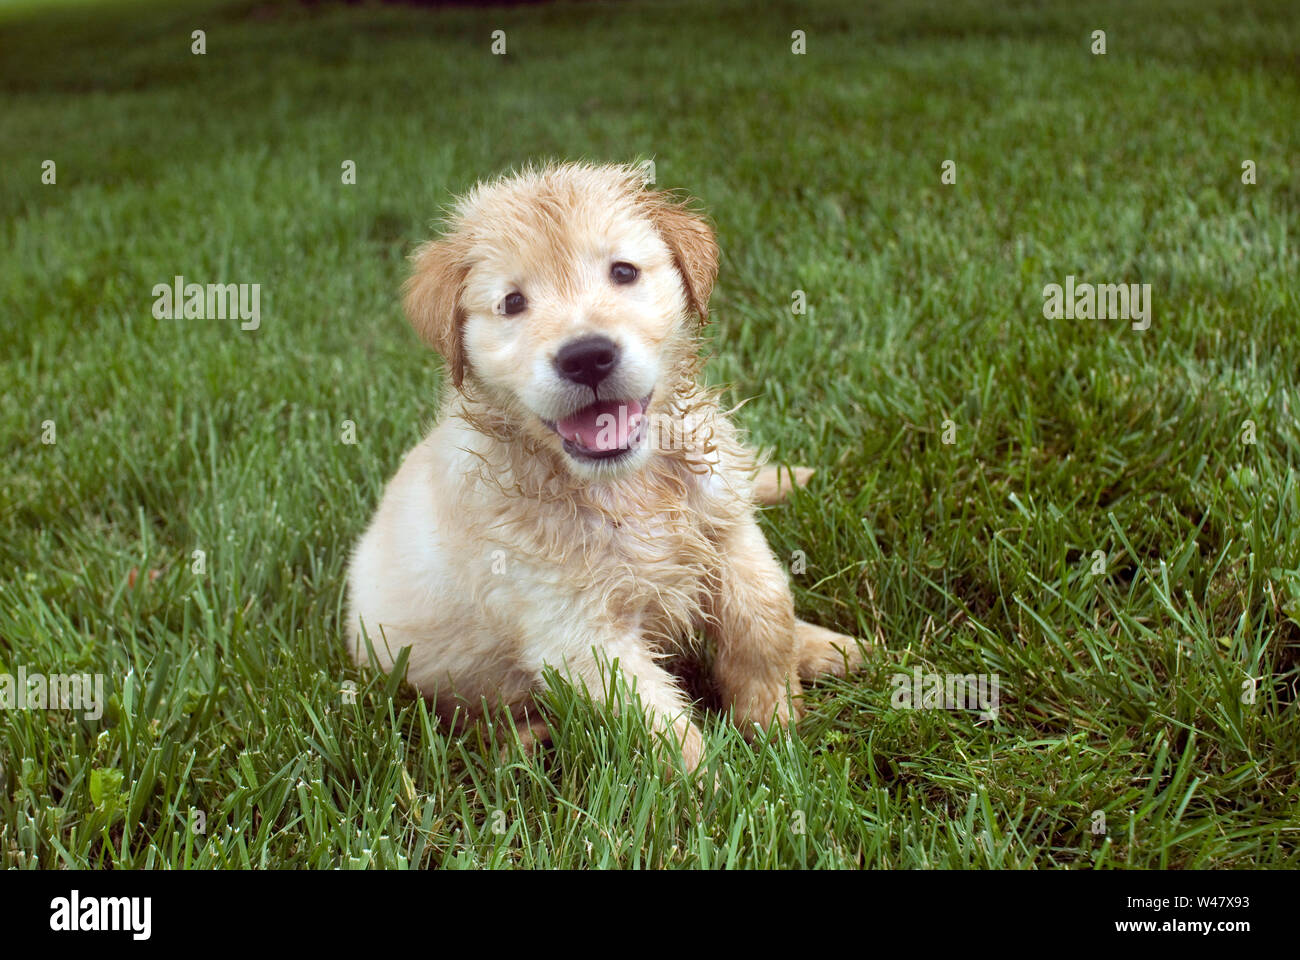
(494,553)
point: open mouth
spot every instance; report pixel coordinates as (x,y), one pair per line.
(605,430)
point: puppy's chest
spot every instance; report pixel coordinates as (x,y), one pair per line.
(659,540)
(648,568)
(632,561)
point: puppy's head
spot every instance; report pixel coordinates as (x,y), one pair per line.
(567,298)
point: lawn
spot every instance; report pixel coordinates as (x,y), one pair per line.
(1074,506)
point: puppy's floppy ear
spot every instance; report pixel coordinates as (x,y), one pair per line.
(695,250)
(432,301)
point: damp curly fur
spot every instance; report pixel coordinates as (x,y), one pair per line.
(498,551)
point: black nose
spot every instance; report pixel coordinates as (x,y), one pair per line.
(587,361)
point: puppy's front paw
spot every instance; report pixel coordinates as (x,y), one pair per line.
(767,707)
(686,736)
(824,652)
(532,736)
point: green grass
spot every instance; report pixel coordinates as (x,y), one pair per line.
(1120,692)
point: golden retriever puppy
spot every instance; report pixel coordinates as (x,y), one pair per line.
(583,503)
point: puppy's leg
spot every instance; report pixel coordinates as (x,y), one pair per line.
(667,710)
(753,623)
(531,729)
(824,652)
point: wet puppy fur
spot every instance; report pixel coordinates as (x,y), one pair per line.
(583,503)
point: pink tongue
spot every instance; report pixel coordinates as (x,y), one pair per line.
(605,425)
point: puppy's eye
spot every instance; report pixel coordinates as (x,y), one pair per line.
(623,272)
(513,303)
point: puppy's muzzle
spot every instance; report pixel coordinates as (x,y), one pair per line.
(587,360)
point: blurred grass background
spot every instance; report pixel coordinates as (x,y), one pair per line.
(1121,692)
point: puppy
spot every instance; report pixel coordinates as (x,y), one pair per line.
(583,503)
